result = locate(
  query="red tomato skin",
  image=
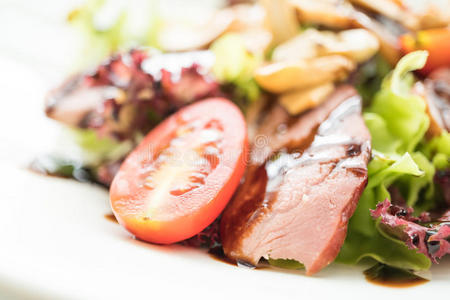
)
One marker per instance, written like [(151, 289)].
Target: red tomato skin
[(436, 41), (224, 180)]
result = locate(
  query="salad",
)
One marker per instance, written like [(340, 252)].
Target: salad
[(297, 133)]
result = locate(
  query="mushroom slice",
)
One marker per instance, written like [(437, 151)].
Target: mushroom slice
[(431, 14), (281, 19), (299, 101), (256, 40), (179, 37), (389, 46), (250, 23), (248, 16), (413, 14), (331, 13), (303, 46), (391, 9), (286, 76), (342, 15), (356, 44)]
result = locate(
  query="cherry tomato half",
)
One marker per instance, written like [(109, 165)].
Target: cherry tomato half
[(184, 172)]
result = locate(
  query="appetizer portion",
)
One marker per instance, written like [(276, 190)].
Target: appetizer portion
[(345, 106), (296, 205)]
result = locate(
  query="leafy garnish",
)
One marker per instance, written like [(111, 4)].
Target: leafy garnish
[(286, 263), (106, 27), (397, 121), (432, 240), (235, 65)]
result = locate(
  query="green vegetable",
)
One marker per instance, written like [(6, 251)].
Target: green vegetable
[(235, 65), (369, 77), (286, 264), (106, 27), (403, 113), (438, 149), (97, 150), (366, 239), (397, 121)]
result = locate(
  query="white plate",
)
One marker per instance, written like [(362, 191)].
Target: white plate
[(56, 243)]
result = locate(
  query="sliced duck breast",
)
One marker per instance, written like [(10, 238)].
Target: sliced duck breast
[(297, 204)]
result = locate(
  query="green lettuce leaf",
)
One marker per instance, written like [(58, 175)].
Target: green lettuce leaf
[(397, 121), (364, 238), (235, 65), (106, 26), (369, 76), (97, 150), (438, 150), (291, 264), (403, 112)]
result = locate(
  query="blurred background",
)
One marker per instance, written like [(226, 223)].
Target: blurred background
[(41, 42)]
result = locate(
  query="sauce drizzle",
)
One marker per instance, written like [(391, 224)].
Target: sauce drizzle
[(384, 275)]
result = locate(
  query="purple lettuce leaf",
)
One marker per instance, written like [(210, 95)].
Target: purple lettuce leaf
[(132, 92), (430, 236)]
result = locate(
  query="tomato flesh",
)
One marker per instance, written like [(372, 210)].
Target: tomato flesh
[(182, 175)]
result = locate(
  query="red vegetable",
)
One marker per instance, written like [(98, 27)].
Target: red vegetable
[(182, 175), (435, 41)]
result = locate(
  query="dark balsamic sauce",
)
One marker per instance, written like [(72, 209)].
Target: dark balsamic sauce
[(384, 275), (111, 217), (379, 274), (218, 254)]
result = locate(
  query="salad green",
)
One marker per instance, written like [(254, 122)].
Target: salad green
[(106, 27), (235, 65), (398, 158)]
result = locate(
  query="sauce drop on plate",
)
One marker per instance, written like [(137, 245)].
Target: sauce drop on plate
[(217, 254), (111, 217), (384, 275)]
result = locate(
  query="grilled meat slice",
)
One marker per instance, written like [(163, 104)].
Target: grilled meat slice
[(296, 205)]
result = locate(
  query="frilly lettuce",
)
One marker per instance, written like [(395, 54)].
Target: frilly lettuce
[(439, 150), (403, 113), (397, 121)]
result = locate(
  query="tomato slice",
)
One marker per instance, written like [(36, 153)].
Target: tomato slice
[(184, 172)]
